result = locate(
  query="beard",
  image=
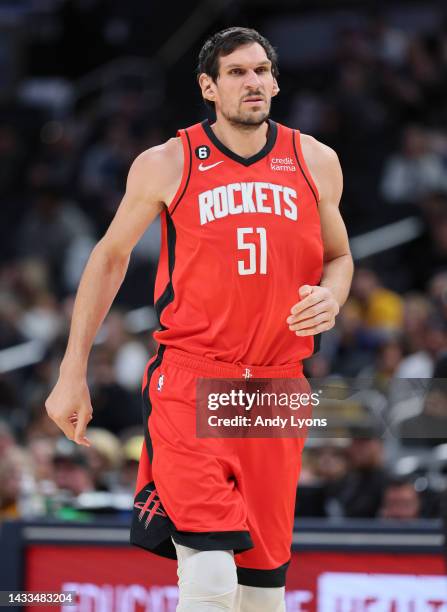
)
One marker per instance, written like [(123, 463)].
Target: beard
[(247, 120)]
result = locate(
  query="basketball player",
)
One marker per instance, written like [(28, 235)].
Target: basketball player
[(254, 264)]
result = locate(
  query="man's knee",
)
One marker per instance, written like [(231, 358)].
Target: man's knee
[(207, 576), (210, 572)]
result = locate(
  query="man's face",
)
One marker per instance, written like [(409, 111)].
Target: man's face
[(73, 477), (244, 87), (366, 453), (401, 503)]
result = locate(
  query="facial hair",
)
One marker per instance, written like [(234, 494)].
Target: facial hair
[(246, 122)]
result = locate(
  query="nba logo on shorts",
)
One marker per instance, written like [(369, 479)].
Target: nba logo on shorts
[(161, 380)]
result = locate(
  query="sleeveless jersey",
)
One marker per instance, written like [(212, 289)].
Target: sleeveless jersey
[(239, 238)]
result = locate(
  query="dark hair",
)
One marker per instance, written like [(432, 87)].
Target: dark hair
[(225, 42), (395, 481)]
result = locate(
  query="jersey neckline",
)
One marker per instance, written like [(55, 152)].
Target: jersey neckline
[(245, 161)]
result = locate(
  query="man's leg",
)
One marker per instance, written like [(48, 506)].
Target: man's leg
[(260, 599), (271, 500), (207, 580)]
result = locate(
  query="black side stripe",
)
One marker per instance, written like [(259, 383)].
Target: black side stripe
[(166, 298), (301, 167), (168, 294), (317, 337), (147, 404), (189, 174)]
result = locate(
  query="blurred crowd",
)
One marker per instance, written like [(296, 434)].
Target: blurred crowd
[(381, 102)]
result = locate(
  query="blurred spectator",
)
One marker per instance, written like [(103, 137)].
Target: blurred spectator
[(49, 228), (388, 357), (415, 171), (389, 44), (104, 169), (104, 458), (54, 164), (349, 347), (71, 468), (438, 293), (7, 440), (35, 314), (433, 343), (115, 408), (428, 254), (127, 477), (430, 426), (360, 491), (417, 311), (381, 309), (357, 100), (41, 451), (10, 312), (14, 477), (41, 320), (370, 316), (308, 112), (400, 501), (130, 356), (310, 499), (332, 467)]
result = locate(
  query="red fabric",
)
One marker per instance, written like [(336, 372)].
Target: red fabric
[(219, 484), (216, 311)]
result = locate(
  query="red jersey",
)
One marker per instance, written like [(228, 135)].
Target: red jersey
[(239, 238)]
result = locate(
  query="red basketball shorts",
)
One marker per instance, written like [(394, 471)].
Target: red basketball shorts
[(213, 493)]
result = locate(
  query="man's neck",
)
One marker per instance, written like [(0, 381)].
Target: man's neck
[(245, 141)]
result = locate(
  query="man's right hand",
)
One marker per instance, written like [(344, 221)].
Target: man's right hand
[(70, 407)]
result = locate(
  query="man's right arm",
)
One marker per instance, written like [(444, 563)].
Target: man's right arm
[(151, 180)]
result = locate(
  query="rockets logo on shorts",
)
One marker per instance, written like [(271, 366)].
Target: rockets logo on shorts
[(151, 507)]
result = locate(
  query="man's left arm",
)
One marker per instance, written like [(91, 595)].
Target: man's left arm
[(320, 304)]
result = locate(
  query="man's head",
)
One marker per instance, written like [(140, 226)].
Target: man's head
[(237, 73), (71, 469), (400, 501), (364, 283), (366, 448)]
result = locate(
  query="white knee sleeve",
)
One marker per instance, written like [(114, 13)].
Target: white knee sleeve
[(207, 580), (257, 599)]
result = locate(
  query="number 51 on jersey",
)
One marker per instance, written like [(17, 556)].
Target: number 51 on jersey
[(256, 262)]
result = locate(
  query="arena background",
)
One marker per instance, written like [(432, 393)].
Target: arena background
[(85, 86)]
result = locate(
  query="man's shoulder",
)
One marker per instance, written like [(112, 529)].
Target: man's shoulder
[(163, 155), (157, 171), (324, 167), (318, 151), (162, 164)]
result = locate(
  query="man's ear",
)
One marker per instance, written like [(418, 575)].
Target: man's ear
[(206, 84), (275, 90)]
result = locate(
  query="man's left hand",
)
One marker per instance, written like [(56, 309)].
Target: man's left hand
[(315, 312)]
